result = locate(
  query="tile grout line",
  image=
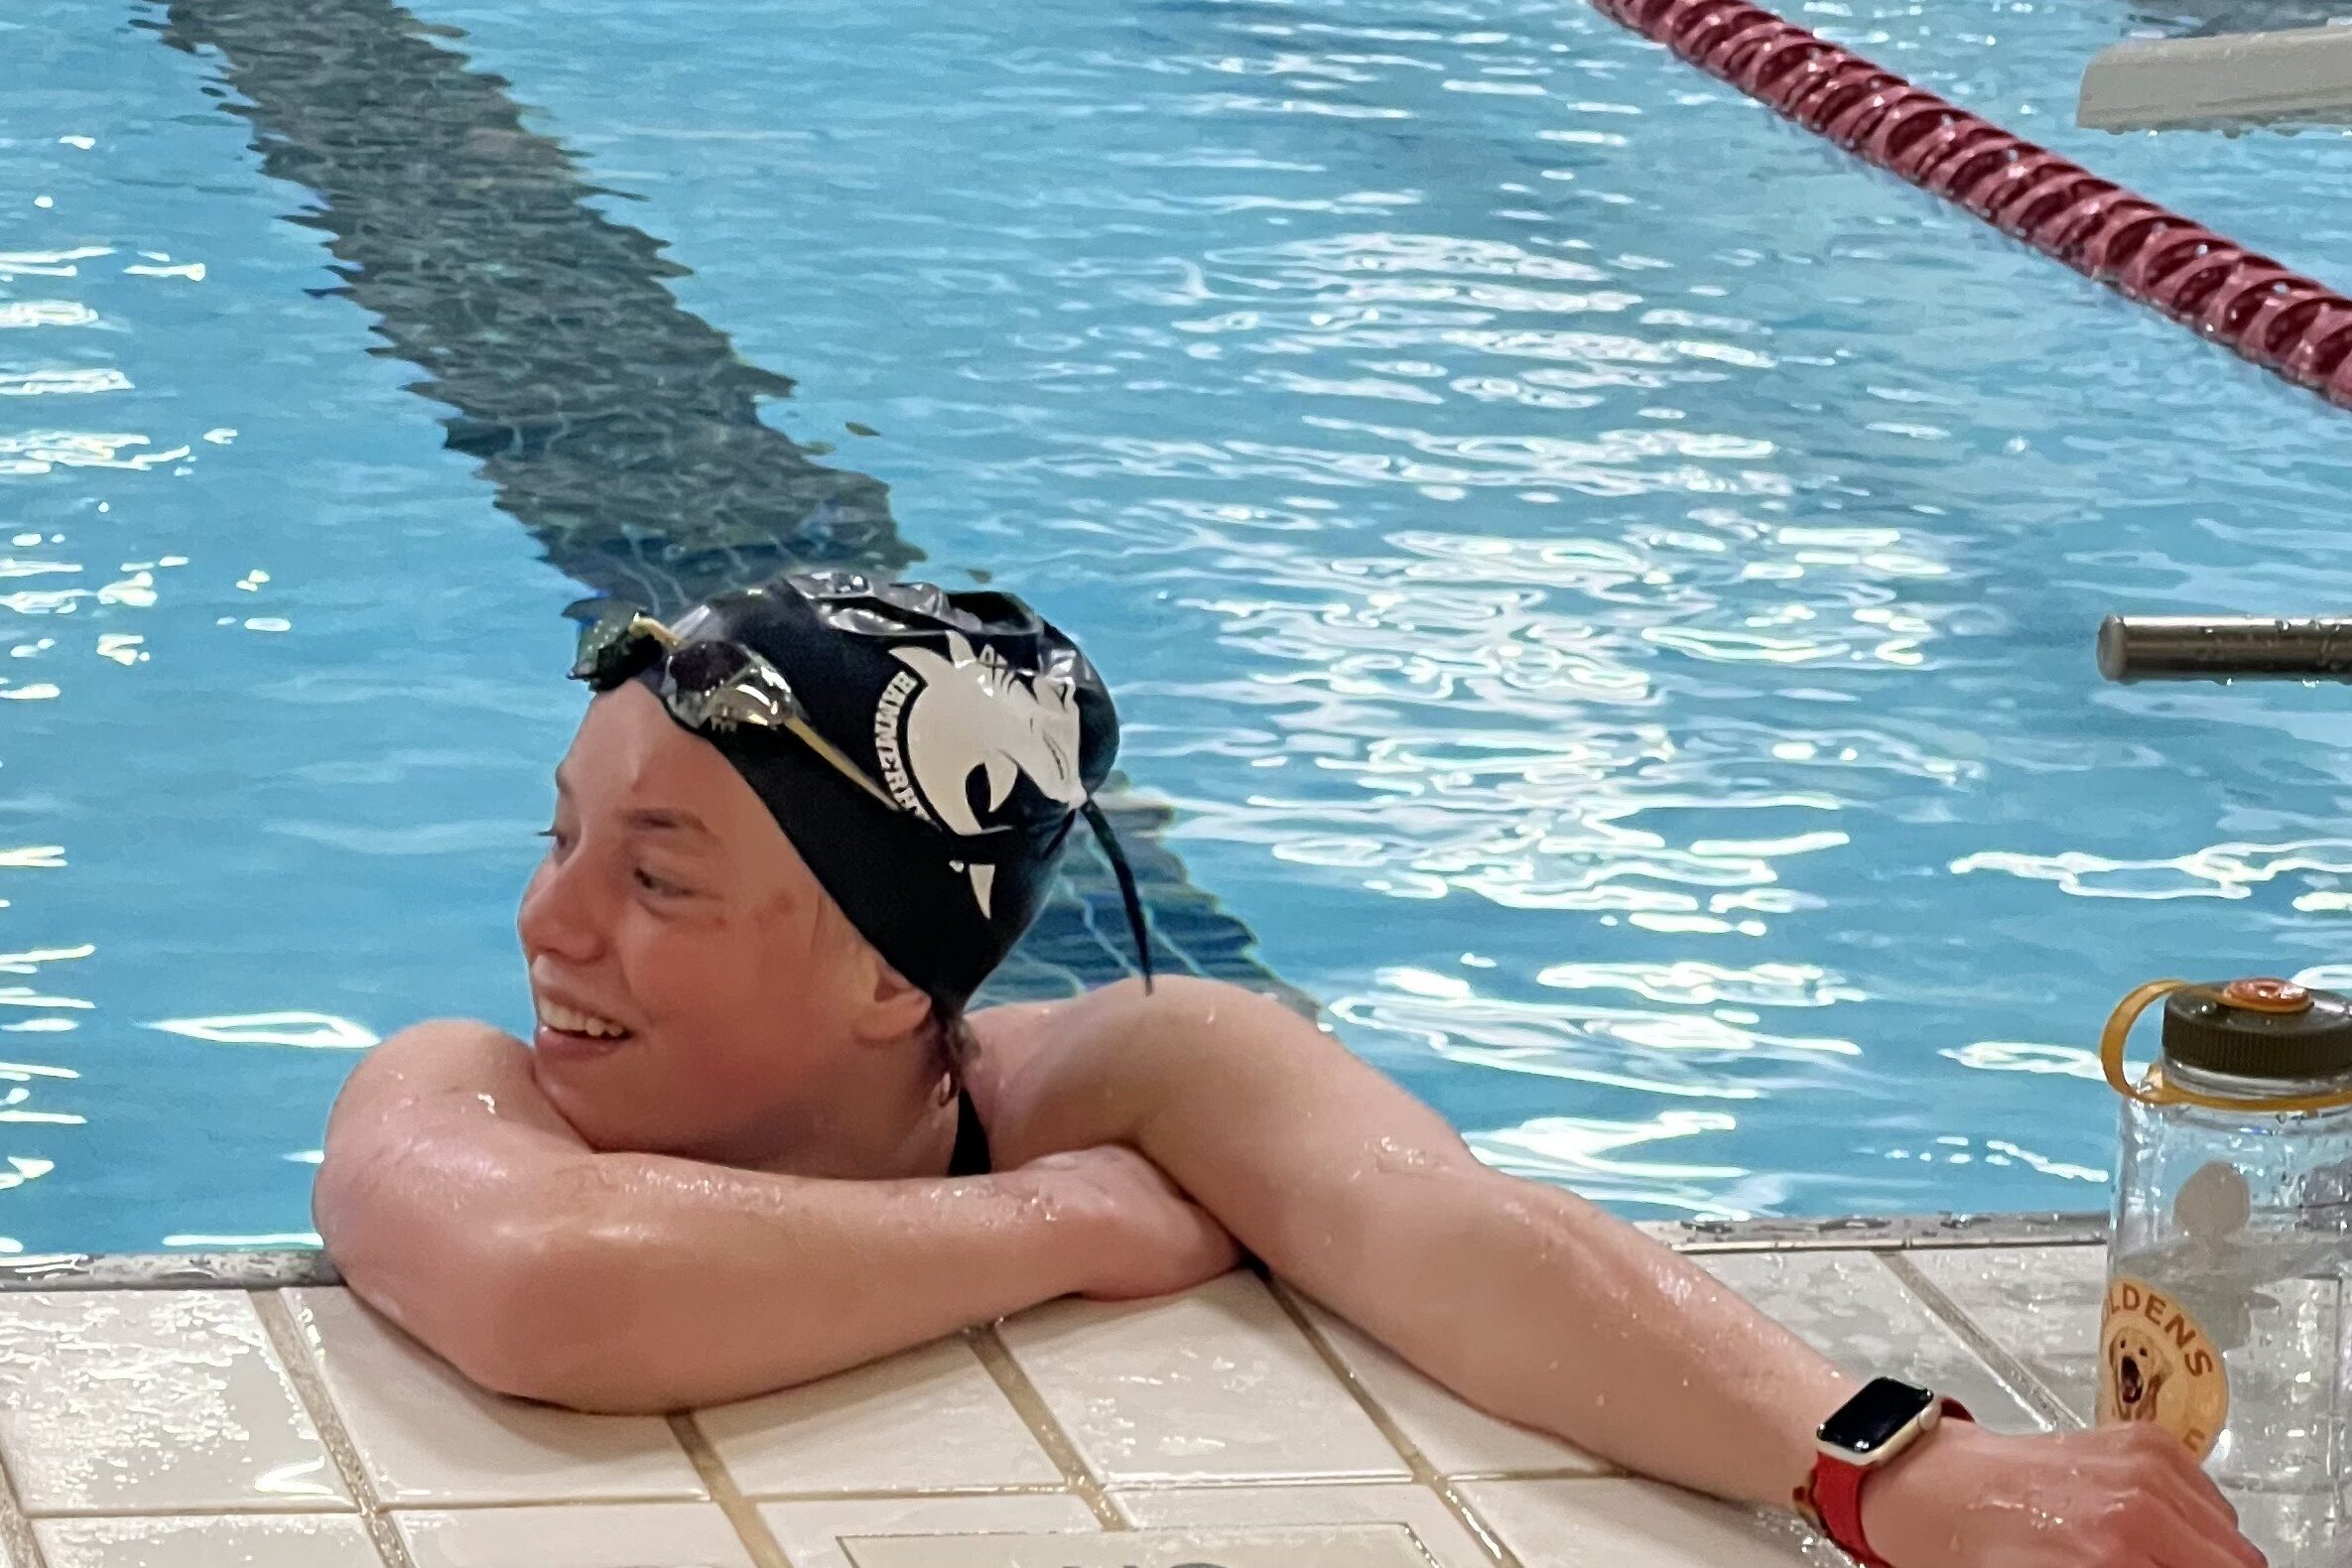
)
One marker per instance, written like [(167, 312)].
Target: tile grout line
[(1612, 1474), (309, 1387), (1043, 1425), (288, 1269), (1423, 1472), (17, 1542), (741, 1512), (876, 1494), (334, 1509), (2006, 1365)]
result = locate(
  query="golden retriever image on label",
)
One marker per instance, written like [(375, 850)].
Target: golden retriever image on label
[(2156, 1366)]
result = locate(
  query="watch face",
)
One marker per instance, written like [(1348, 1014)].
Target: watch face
[(1876, 1416)]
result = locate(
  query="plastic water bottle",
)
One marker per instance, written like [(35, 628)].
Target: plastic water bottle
[(2225, 1320)]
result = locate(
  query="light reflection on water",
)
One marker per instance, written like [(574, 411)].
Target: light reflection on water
[(1671, 592), (1606, 584)]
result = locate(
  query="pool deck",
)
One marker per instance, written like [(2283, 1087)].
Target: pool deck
[(204, 1411)]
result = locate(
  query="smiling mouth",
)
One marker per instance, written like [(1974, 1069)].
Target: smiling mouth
[(554, 1016)]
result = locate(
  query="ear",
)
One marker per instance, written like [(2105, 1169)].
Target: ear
[(892, 1007)]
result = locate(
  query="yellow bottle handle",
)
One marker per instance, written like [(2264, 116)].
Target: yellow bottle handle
[(2119, 1029), (2155, 1090)]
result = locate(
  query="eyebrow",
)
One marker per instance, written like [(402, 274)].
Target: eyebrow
[(653, 819)]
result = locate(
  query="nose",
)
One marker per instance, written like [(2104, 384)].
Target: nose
[(561, 916)]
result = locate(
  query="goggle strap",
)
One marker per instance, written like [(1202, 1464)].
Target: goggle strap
[(625, 642), (641, 624), (1127, 884), (832, 755)]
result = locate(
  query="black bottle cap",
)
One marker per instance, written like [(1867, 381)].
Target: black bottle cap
[(2268, 1029)]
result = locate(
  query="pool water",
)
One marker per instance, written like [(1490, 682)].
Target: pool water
[(1604, 581)]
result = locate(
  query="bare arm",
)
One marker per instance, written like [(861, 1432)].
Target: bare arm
[(457, 1201), (1552, 1314), (1539, 1307)]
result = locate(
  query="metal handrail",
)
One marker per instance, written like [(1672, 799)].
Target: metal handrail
[(2228, 648)]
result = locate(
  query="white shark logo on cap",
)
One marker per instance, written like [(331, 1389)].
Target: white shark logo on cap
[(973, 711)]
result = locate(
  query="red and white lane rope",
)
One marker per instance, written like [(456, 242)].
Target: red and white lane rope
[(2281, 319)]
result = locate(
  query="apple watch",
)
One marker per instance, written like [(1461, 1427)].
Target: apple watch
[(1864, 1437)]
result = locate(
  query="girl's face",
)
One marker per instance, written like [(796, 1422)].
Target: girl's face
[(697, 991)]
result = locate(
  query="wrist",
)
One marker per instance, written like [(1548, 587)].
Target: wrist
[(1068, 1224), (1909, 1510)]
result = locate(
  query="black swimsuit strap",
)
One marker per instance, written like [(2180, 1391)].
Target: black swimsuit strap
[(972, 1140)]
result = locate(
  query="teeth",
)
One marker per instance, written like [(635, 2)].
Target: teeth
[(556, 1017)]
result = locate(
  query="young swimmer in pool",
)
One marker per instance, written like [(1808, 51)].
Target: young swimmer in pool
[(755, 1139)]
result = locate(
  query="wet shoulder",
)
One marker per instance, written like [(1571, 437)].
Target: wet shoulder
[(1010, 1040), (428, 1066), (1037, 1080)]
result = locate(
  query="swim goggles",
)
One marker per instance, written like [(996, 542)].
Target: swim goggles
[(713, 687)]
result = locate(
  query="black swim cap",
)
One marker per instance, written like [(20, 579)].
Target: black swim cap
[(926, 752)]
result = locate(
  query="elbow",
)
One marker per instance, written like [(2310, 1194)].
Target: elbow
[(584, 1322), (550, 1318), (582, 1318), (556, 1382), (524, 1306)]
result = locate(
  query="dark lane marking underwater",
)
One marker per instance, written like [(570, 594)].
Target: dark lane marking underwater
[(620, 429)]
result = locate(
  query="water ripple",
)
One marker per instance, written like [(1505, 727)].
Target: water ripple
[(315, 1031), (2224, 870), (1594, 1157), (44, 313), (49, 383)]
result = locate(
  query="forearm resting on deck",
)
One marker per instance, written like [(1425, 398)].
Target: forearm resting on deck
[(1556, 1315), (640, 1282), (1525, 1299), (735, 1284), (646, 1285)]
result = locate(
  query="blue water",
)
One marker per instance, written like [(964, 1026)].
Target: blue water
[(1606, 582)]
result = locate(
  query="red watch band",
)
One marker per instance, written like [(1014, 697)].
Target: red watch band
[(1834, 1496)]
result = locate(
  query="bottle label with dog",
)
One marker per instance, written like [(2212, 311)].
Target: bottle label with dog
[(2157, 1365)]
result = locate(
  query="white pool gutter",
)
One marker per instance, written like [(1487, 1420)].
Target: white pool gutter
[(2233, 81)]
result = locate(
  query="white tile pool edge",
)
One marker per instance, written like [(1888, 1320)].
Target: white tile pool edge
[(294, 1269), (431, 1466)]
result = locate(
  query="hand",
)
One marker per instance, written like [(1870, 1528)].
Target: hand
[(1142, 1236), (2129, 1496)]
